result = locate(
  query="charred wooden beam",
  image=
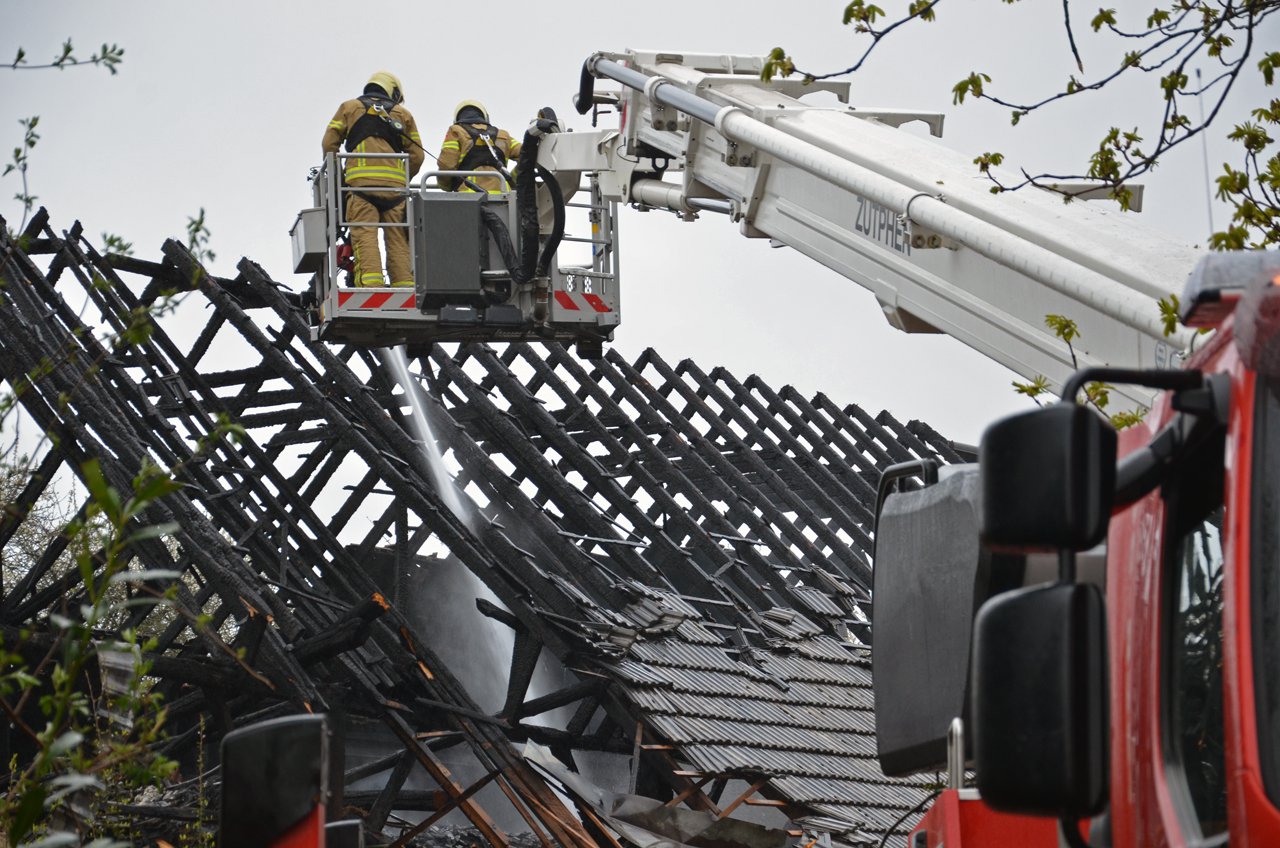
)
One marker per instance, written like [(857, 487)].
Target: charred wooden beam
[(525, 650), (552, 700), (441, 810), (350, 630), (390, 794)]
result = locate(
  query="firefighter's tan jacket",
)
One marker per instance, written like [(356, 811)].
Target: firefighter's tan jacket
[(458, 143), (361, 171)]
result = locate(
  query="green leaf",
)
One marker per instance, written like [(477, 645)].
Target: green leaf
[(1038, 386), (55, 840), (154, 486), (137, 603), (24, 679), (1251, 136), (1169, 314), (1063, 327), (145, 576), (970, 85), (109, 56), (1268, 65), (922, 9), (1121, 420), (777, 63), (1098, 394), (1105, 17), (112, 243), (30, 806), (154, 531), (68, 784), (66, 742), (1174, 82), (106, 497), (988, 160), (198, 239), (859, 12)]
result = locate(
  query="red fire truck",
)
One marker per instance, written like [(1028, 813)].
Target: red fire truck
[(1132, 694)]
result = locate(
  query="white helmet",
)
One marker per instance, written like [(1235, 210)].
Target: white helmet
[(474, 104), (390, 83)]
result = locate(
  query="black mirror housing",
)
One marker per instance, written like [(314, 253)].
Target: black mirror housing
[(274, 775), (1040, 713), (1048, 480)]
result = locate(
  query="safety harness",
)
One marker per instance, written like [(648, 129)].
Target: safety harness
[(482, 154), (376, 122), (382, 204)]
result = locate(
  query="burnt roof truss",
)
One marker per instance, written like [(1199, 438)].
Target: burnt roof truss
[(668, 567)]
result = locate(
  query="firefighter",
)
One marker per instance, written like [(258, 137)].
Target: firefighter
[(474, 144), (377, 122)]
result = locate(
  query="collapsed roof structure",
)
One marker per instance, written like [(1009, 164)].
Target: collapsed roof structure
[(671, 564)]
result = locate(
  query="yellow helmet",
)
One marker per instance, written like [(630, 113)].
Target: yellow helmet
[(475, 104), (390, 83)]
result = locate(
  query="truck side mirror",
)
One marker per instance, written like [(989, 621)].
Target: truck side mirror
[(1048, 480), (1039, 703), (275, 782)]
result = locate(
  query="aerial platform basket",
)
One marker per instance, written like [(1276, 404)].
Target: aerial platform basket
[(468, 283)]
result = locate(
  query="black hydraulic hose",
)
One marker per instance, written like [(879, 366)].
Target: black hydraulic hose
[(586, 90), (527, 172), (502, 237), (527, 203), (557, 226)]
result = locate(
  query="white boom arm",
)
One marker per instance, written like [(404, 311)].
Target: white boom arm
[(893, 211)]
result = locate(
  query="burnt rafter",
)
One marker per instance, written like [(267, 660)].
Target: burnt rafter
[(689, 550)]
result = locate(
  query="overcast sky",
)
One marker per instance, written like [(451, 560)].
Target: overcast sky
[(222, 105)]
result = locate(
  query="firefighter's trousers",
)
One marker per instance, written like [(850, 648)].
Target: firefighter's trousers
[(364, 241)]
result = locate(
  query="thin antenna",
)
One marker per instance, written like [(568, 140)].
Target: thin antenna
[(1204, 153)]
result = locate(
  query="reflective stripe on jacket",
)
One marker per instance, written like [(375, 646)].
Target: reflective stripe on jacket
[(376, 171), (458, 143)]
